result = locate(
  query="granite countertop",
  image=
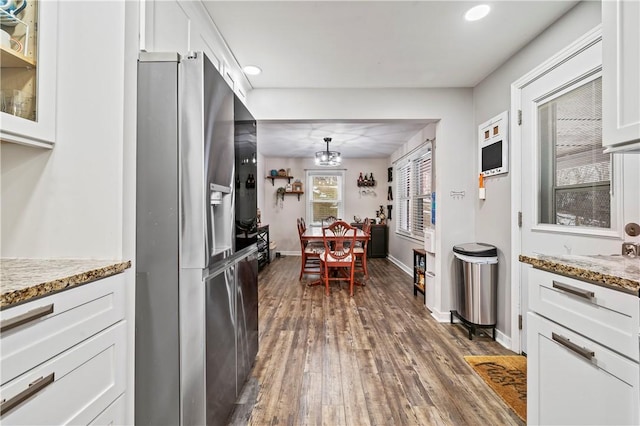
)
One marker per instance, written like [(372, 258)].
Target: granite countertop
[(26, 279), (613, 271)]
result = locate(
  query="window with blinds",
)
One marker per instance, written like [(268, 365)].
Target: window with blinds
[(403, 197), (575, 175), (413, 193), (422, 199), (324, 195)]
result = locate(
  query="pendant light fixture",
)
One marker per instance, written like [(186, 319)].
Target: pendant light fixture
[(328, 158)]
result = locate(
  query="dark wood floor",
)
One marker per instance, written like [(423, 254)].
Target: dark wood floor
[(377, 358)]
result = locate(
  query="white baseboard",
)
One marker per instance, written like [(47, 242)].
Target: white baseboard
[(440, 316), (289, 253), (503, 339), (400, 265)]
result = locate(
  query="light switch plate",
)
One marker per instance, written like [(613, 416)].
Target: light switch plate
[(430, 240)]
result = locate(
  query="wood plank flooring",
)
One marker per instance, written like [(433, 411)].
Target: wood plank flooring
[(377, 358)]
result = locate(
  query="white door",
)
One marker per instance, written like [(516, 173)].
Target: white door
[(572, 198)]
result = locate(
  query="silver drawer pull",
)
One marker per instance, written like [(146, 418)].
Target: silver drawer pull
[(583, 352), (26, 394), (29, 316), (586, 294)]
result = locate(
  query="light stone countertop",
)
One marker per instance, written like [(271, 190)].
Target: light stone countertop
[(613, 271), (24, 279)]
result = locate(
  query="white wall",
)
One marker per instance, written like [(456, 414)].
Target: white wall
[(281, 216), (491, 97), (455, 163), (68, 202)]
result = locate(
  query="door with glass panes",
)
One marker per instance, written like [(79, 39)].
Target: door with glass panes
[(572, 195)]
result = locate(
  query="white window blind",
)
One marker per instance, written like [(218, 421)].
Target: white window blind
[(413, 189), (422, 196), (575, 174), (403, 197)]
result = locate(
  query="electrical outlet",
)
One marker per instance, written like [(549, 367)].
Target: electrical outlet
[(631, 249)]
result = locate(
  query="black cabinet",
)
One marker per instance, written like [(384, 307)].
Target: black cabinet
[(377, 246), (378, 243), (264, 256)]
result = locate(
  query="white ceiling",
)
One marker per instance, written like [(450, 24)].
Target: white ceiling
[(353, 139), (370, 44)]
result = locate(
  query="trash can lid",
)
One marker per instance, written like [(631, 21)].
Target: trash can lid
[(476, 249)]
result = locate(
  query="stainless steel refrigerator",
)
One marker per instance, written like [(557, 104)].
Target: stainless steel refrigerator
[(196, 296)]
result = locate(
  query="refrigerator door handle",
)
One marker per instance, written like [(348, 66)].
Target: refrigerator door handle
[(224, 264)]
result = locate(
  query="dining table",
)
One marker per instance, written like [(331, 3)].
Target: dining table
[(314, 233)]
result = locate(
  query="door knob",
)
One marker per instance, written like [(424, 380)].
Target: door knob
[(632, 229)]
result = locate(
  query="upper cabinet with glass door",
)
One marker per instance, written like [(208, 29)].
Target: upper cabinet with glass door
[(621, 75), (28, 72)]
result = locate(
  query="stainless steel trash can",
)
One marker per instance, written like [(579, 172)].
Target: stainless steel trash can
[(476, 286)]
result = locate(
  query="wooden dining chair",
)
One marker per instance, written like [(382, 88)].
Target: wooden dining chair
[(310, 263), (339, 240), (360, 250), (329, 220), (311, 244)]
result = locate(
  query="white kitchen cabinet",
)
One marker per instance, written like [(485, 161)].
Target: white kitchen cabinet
[(64, 356), (565, 387), (607, 316), (74, 315), (29, 78), (621, 75), (86, 379), (113, 415), (582, 347)]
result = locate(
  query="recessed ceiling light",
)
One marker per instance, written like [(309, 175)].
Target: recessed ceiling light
[(252, 70), (477, 12)]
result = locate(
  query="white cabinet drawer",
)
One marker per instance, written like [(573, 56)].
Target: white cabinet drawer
[(607, 316), (113, 414), (87, 378), (77, 314), (572, 380)]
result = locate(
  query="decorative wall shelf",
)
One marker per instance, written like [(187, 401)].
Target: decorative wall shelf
[(298, 193), (366, 180), (288, 178)]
